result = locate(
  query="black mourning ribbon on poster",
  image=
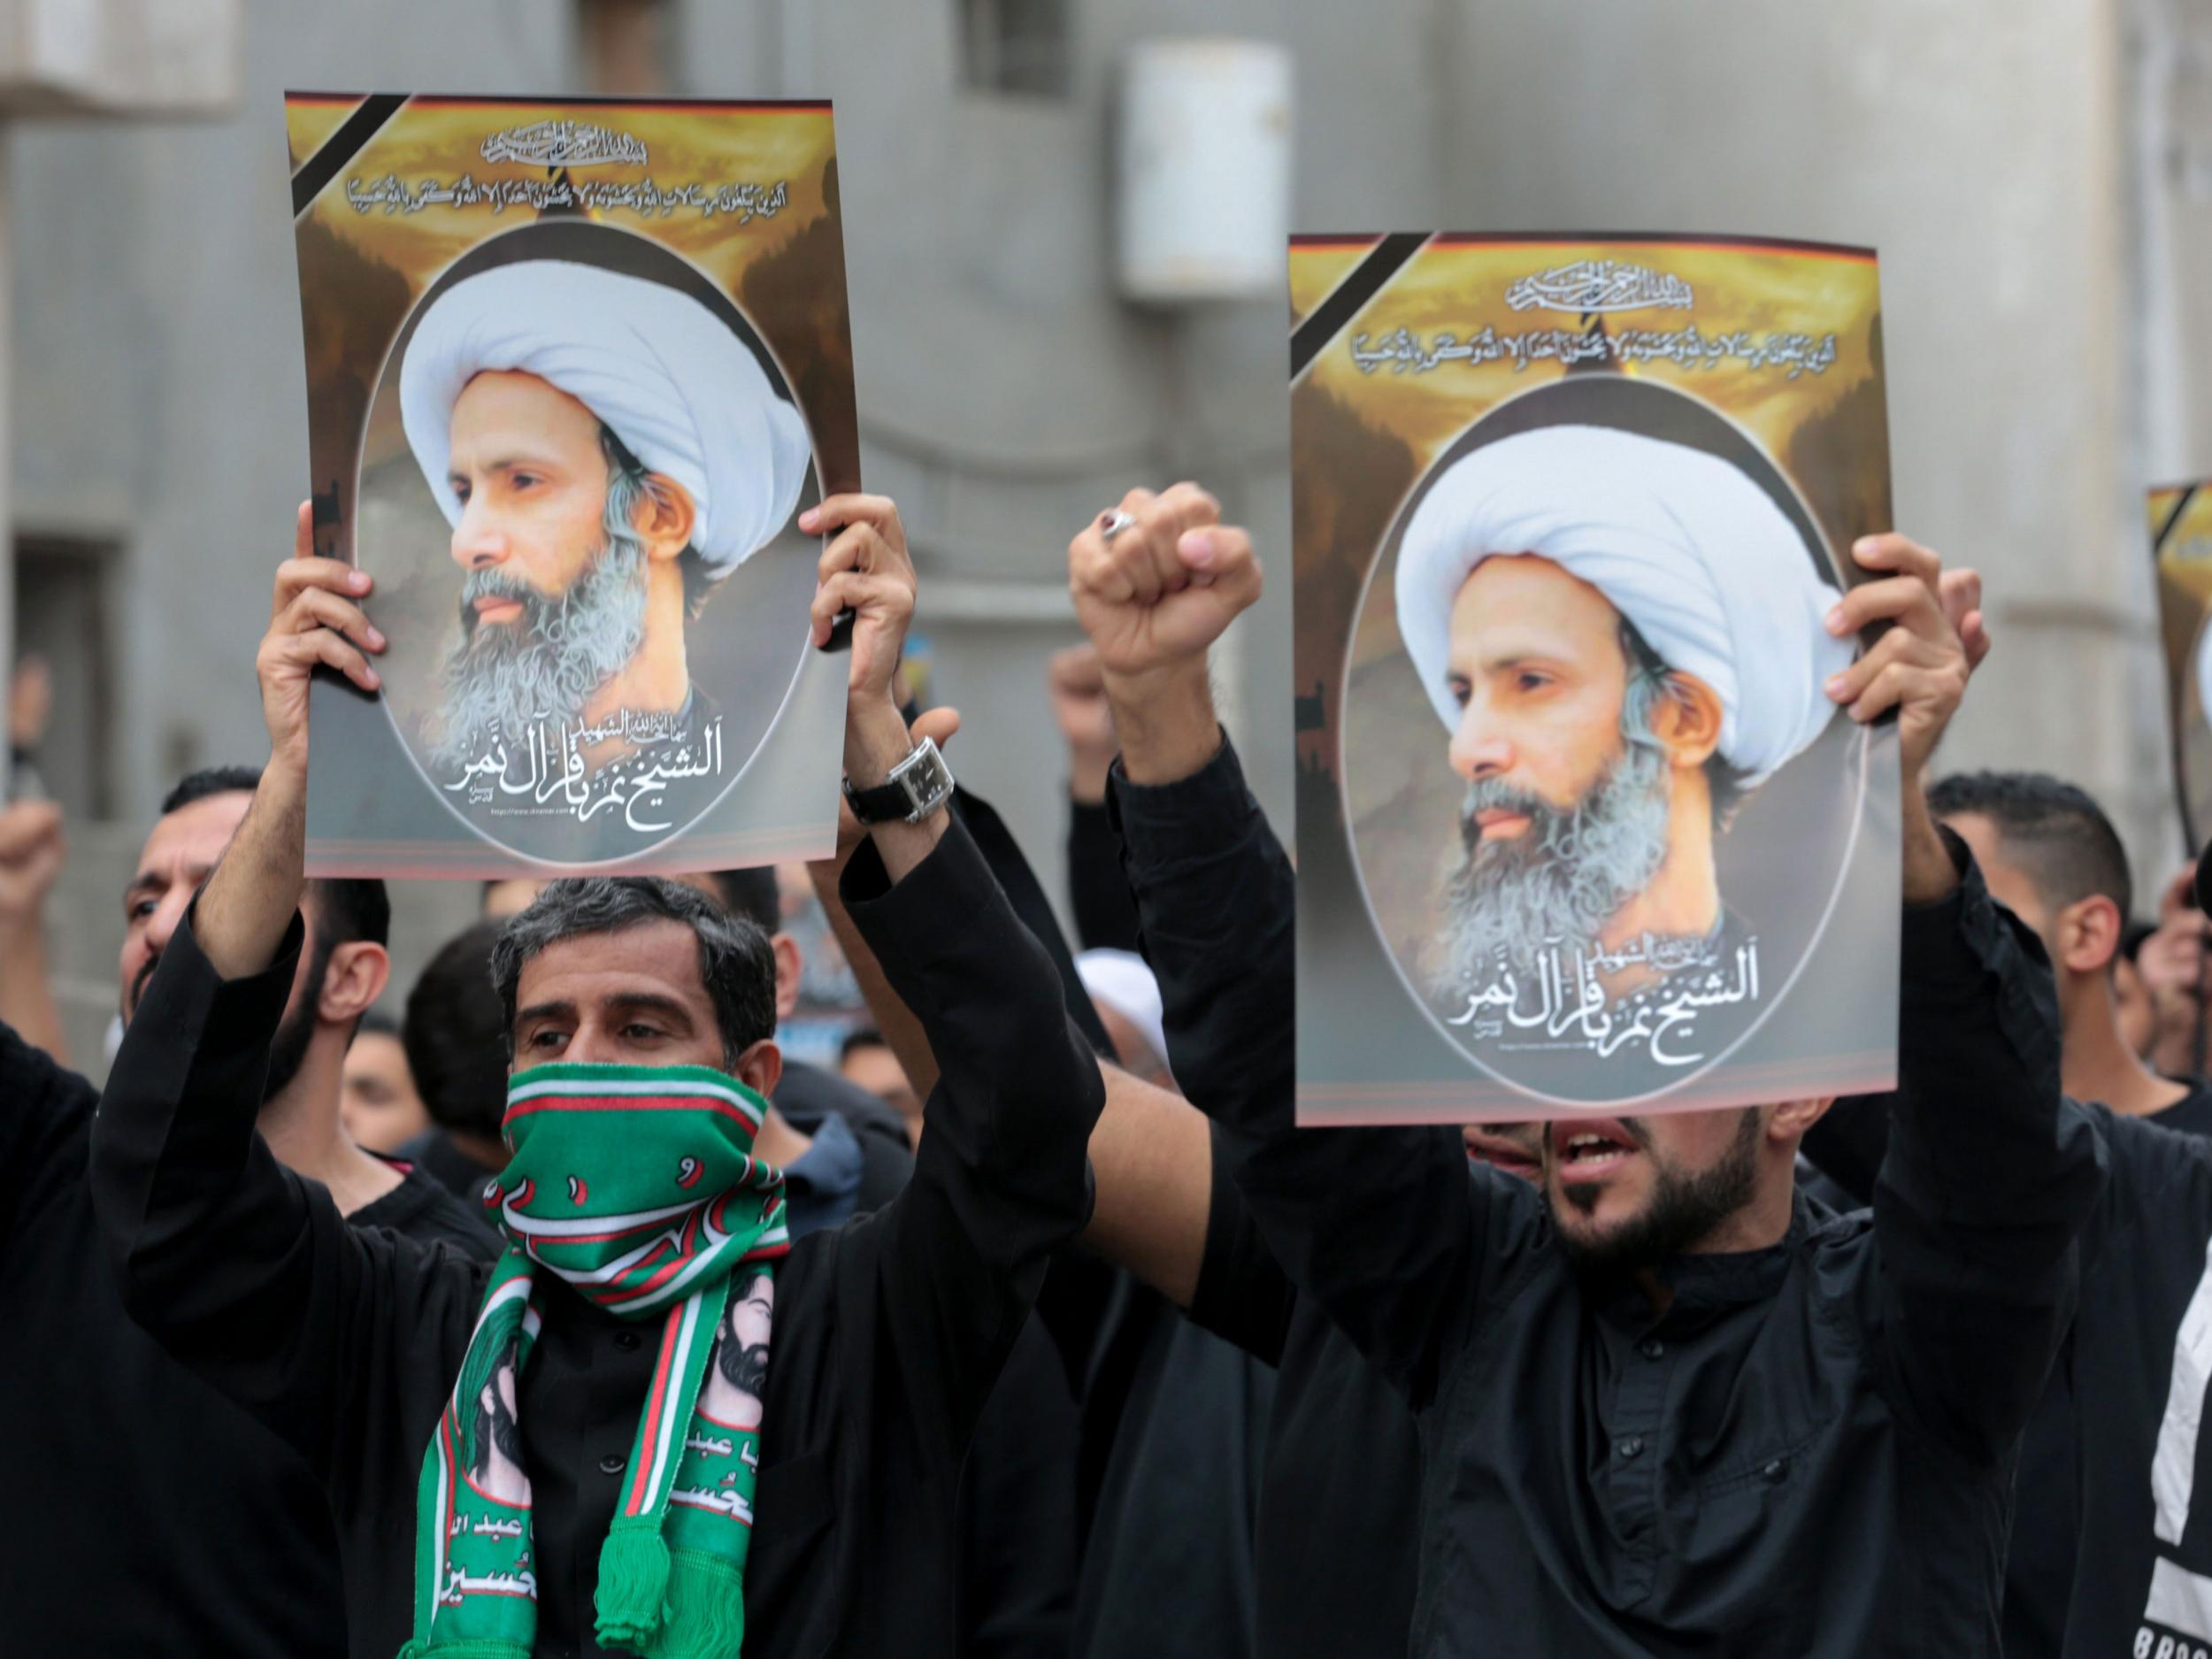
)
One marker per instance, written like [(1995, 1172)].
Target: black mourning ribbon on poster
[(1345, 302), (342, 146)]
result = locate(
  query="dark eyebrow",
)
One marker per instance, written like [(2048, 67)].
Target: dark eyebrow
[(545, 1010)]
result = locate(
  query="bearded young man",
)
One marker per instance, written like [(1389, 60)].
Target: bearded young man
[(1622, 637), (608, 452), (641, 1019), (1666, 1409)]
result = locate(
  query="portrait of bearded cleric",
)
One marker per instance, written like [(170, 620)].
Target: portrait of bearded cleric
[(1620, 641), (737, 1375), (494, 1466), (579, 665)]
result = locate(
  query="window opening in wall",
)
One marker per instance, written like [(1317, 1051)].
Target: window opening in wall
[(1017, 46)]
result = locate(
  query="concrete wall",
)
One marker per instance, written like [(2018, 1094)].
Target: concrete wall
[(1985, 149), (1998, 155)]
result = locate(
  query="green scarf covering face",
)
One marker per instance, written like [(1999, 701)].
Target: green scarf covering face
[(637, 1186)]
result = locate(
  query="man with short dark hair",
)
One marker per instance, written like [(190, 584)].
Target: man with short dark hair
[(344, 968), (633, 1207), (1665, 1409), (455, 1033), (2053, 858)]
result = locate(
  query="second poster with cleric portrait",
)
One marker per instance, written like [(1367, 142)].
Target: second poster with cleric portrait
[(1578, 828), (573, 372)]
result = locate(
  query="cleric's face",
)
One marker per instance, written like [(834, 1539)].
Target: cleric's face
[(531, 477), (1537, 668), (1565, 817)]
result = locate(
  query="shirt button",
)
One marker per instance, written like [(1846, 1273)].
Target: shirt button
[(1630, 1447), (1776, 1470), (627, 1340), (1653, 1349), (611, 1464)]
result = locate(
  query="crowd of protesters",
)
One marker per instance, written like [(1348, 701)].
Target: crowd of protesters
[(1033, 1327)]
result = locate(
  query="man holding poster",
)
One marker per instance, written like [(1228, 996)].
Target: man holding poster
[(596, 1445), (1669, 1406)]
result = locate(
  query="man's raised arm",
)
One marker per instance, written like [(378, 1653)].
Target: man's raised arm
[(999, 1181), (243, 1271), (1380, 1225), (1989, 1175)]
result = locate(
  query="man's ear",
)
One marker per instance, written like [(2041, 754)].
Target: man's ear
[(1687, 719), (790, 964), (760, 1068), (2087, 935), (356, 978), (1792, 1118), (663, 517)]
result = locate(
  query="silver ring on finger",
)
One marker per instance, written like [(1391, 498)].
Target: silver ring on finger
[(1112, 524)]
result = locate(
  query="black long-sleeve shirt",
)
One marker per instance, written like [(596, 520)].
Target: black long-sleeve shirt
[(890, 1330), (141, 1512), (1810, 1451), (2133, 1375)]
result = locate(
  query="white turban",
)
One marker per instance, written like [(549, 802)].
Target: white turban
[(2204, 672), (1123, 981), (665, 374), (1680, 542)]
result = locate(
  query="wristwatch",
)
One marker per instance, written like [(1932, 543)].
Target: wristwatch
[(917, 787)]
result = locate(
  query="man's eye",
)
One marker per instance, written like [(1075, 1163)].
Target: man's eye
[(524, 480), (137, 909), (460, 491), (1529, 681), (636, 1032), (1460, 692), (548, 1039)]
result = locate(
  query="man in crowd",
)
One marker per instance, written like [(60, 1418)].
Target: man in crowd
[(2052, 858), (866, 1060), (608, 451), (826, 1531), (2099, 1561), (1622, 637), (377, 1102), (455, 1034), (1659, 1401), (343, 970)]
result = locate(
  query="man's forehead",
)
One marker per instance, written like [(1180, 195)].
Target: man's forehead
[(655, 958), (508, 406), (195, 834), (1524, 593)]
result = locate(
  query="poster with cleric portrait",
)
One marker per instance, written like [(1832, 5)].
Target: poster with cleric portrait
[(2181, 544), (1579, 830), (573, 370)]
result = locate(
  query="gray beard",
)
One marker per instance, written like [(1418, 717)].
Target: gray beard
[(501, 680), (1561, 880)]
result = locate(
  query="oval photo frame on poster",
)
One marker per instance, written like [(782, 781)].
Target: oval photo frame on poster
[(1780, 859), (744, 638)]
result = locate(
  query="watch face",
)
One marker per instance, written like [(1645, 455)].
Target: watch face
[(928, 782)]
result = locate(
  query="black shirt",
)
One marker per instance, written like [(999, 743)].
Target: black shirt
[(1811, 1452), (142, 1512), (422, 1207), (434, 1153), (2131, 1380), (2112, 1425), (890, 1330), (1336, 1544)]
